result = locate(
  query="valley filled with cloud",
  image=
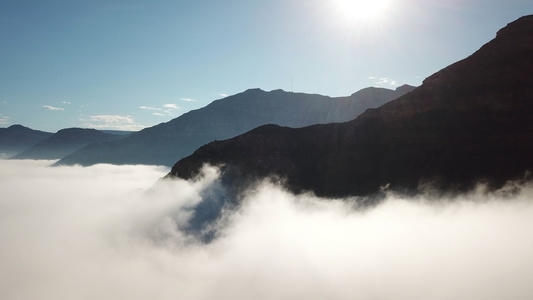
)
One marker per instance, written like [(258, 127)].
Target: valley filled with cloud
[(117, 232)]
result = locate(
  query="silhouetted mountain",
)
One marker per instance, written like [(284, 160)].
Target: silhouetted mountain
[(65, 142), (164, 143), (17, 138), (470, 122)]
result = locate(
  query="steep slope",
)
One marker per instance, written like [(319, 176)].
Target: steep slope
[(467, 123), (228, 117), (65, 142), (17, 138)]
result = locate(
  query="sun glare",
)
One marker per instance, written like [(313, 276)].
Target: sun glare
[(356, 11)]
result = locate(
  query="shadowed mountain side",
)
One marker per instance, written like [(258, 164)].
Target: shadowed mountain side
[(467, 123), (65, 142), (17, 138), (225, 118)]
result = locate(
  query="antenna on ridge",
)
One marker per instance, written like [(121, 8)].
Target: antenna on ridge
[(291, 84)]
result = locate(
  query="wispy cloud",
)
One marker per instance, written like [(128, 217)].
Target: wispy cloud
[(149, 108), (48, 107), (381, 81), (4, 119), (165, 110), (171, 106), (116, 122), (223, 95), (65, 102), (188, 99)]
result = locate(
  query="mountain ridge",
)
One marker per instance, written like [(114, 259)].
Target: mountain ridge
[(17, 138), (228, 117), (64, 142), (467, 123)]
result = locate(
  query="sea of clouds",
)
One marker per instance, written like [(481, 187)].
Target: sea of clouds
[(116, 232)]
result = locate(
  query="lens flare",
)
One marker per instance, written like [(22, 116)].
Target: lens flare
[(356, 11)]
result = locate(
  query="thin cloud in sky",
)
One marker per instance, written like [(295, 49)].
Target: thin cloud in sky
[(4, 119), (223, 95), (188, 99), (149, 108), (171, 106), (116, 122), (165, 110), (381, 81), (48, 107)]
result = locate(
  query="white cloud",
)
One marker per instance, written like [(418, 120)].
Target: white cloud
[(383, 81), (166, 110), (149, 108), (4, 120), (188, 99), (65, 102), (62, 238), (116, 122), (171, 106), (48, 107), (223, 95)]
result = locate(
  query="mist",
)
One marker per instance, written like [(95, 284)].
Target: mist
[(117, 232)]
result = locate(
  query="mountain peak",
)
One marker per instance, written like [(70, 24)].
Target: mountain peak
[(253, 90), (521, 25)]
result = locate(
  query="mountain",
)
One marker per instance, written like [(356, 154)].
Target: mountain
[(468, 123), (225, 118), (65, 142), (17, 138)]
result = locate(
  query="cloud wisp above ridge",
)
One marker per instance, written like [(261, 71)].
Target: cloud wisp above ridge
[(108, 232)]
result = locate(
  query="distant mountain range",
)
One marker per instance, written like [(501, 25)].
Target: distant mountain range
[(65, 142), (468, 123), (163, 144), (17, 138)]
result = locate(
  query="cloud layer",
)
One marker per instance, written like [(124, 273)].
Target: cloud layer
[(110, 232)]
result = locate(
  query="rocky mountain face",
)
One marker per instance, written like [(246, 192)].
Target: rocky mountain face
[(225, 118), (17, 138), (468, 123), (65, 142)]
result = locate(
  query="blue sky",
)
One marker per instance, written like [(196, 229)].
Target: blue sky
[(133, 64)]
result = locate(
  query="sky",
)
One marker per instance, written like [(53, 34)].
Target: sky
[(64, 239), (132, 64)]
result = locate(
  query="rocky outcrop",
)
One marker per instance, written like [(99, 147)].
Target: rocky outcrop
[(468, 123)]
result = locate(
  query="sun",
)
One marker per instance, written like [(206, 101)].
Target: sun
[(357, 11)]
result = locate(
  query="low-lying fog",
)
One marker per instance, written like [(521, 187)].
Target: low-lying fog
[(102, 232)]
